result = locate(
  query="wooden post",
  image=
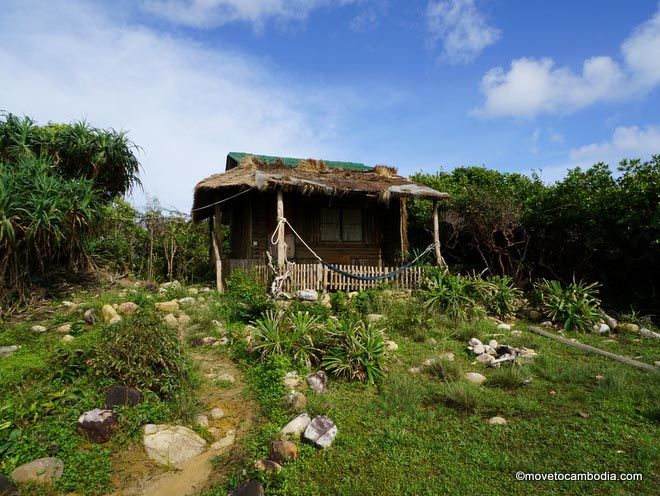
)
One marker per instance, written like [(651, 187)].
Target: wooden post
[(403, 227), (281, 246), (436, 236), (217, 248)]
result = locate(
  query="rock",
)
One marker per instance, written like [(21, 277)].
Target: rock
[(657, 363), (268, 466), (115, 320), (547, 323), (119, 395), (431, 341), (127, 308), (5, 351), (98, 425), (41, 471), (205, 341), (184, 320), (171, 321), (291, 380), (227, 378), (186, 301), (534, 316), (226, 442), (40, 329), (67, 338), (391, 345), (516, 333), (601, 328), (64, 329), (497, 421), (295, 428), (372, 318), (202, 420), (193, 291), (628, 327), (649, 333), (447, 355), (610, 321), (168, 306), (485, 358), (479, 349), (428, 362), (307, 295), (249, 488), (415, 370), (321, 431), (584, 414), (90, 316), (109, 313), (69, 306), (474, 342), (599, 377), (493, 344), (474, 377), (318, 381), (283, 451), (7, 487), (221, 342), (490, 350), (217, 413), (295, 401), (205, 290), (504, 327), (170, 285), (171, 444)]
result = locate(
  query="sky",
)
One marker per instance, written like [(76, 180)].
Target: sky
[(514, 85)]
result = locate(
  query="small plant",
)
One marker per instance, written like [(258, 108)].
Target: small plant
[(499, 296), (509, 377), (461, 396), (450, 294), (447, 370), (248, 298), (576, 305)]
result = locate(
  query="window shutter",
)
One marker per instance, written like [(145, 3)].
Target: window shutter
[(330, 224)]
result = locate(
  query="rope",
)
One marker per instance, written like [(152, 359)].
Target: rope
[(359, 277), (222, 201)]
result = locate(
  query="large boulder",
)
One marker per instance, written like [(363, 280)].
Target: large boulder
[(171, 444), (109, 314), (295, 428), (119, 395), (318, 381), (41, 471), (168, 306), (283, 451), (307, 295), (98, 425), (127, 308), (321, 431)]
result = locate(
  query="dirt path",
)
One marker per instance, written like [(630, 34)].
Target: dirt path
[(136, 475)]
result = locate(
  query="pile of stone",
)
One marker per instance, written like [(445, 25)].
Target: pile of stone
[(494, 354)]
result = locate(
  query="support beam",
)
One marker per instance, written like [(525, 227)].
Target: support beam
[(403, 228), (217, 248), (436, 236), (281, 245)]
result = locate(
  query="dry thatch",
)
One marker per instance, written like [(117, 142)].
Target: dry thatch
[(309, 177)]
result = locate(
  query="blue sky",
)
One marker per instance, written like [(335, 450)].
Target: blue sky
[(421, 85)]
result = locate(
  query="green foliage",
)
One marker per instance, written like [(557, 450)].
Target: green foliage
[(409, 318), (144, 353), (461, 396), (450, 294), (247, 297), (499, 296), (508, 376), (339, 302), (447, 370), (575, 306)]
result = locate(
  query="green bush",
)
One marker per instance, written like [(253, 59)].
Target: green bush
[(499, 296), (247, 297), (508, 376), (450, 294), (575, 306)]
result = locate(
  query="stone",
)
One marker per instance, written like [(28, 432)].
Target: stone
[(474, 342), (321, 431), (127, 308), (90, 316), (171, 444), (205, 341), (584, 414), (318, 381), (447, 355), (171, 321), (216, 413), (98, 425), (610, 321), (479, 349), (226, 442), (186, 301), (391, 345), (168, 306), (599, 377), (534, 316), (249, 488), (307, 295), (184, 320), (372, 318), (415, 370), (295, 428), (649, 333), (283, 451), (516, 333), (64, 329), (227, 378), (428, 362), (7, 487), (268, 466), (67, 338), (115, 320), (493, 344), (170, 285), (39, 328), (70, 306), (5, 351), (205, 290), (291, 380), (546, 323), (108, 313), (490, 350), (431, 341), (497, 421), (485, 358), (602, 328), (504, 327), (628, 327), (295, 401), (474, 378), (202, 420), (657, 363), (119, 395), (41, 471), (193, 291)]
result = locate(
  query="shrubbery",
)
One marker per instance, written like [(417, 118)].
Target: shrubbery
[(575, 306)]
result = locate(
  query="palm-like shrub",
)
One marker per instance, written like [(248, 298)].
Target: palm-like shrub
[(450, 294), (575, 306), (497, 294)]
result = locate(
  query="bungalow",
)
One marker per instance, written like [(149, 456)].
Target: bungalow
[(302, 210)]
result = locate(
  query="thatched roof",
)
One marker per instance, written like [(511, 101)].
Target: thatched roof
[(306, 177)]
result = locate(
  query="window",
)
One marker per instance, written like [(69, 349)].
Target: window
[(341, 224)]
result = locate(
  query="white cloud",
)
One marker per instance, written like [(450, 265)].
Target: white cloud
[(626, 142), (532, 86), (462, 28), (185, 104), (210, 13)]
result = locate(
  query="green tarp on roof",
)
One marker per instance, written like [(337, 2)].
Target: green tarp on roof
[(293, 162)]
